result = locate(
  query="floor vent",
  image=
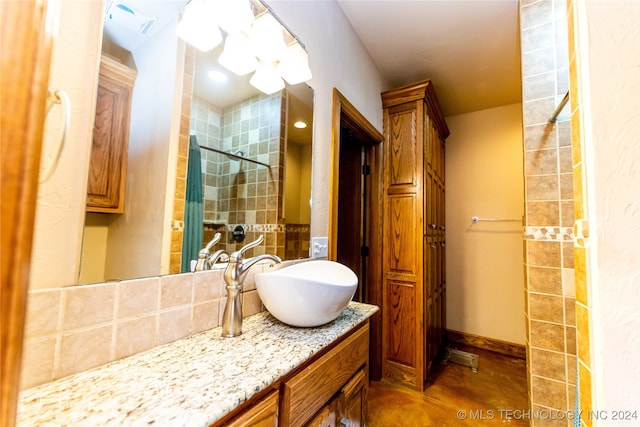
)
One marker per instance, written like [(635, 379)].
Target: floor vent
[(460, 357)]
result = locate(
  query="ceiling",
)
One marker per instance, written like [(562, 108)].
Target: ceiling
[(470, 49)]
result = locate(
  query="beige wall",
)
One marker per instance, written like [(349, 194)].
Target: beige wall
[(485, 290), (337, 59)]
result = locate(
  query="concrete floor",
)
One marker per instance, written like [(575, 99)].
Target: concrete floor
[(456, 396)]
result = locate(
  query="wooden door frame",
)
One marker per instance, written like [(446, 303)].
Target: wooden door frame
[(342, 109), (24, 81)]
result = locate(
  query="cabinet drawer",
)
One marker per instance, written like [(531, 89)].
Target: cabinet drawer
[(308, 391), (262, 414)]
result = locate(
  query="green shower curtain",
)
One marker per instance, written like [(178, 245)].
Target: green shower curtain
[(193, 227)]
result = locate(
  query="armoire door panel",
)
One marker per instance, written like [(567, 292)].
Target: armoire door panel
[(400, 322), (401, 240), (402, 148)]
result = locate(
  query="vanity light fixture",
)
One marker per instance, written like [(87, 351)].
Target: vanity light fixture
[(198, 27), (234, 15), (266, 78), (256, 39), (300, 124), (237, 56), (217, 76), (294, 65)]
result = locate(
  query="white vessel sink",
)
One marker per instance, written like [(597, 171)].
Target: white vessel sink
[(307, 294)]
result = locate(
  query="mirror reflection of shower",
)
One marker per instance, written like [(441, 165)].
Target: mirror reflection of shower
[(251, 154)]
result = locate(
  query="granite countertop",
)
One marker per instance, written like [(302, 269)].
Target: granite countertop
[(194, 381)]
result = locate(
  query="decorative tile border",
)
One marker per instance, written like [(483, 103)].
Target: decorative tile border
[(258, 227), (549, 233)]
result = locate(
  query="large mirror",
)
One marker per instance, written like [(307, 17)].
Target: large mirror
[(255, 165)]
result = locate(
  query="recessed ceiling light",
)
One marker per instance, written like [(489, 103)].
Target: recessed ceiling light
[(217, 76), (300, 124)]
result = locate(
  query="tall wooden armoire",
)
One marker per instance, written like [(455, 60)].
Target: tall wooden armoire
[(413, 315)]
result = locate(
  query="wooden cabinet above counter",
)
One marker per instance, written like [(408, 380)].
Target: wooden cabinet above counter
[(108, 167)]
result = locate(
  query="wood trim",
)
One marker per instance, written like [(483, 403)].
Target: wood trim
[(341, 106), (491, 344), (415, 92), (26, 43), (342, 109)]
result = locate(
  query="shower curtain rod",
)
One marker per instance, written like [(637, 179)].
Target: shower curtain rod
[(559, 108), (476, 219), (235, 156)]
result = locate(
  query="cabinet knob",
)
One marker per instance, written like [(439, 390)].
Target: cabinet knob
[(344, 422), (442, 227), (433, 245), (433, 226)]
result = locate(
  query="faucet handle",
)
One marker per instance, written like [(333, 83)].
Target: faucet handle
[(237, 255), (206, 249)]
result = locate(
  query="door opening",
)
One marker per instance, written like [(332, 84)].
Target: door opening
[(355, 234)]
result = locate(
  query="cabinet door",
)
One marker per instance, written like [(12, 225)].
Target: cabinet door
[(326, 417), (262, 414), (108, 166), (353, 401)]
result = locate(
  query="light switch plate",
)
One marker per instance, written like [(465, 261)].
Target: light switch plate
[(319, 247)]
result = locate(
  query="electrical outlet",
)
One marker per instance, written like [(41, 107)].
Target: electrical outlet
[(319, 247)]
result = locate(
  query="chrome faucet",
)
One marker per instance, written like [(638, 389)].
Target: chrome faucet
[(234, 276), (206, 259)]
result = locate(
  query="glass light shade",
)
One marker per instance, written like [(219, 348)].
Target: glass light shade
[(198, 26), (266, 78), (294, 65), (267, 36), (237, 55), (234, 15)]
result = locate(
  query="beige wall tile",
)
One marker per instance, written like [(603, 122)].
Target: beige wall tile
[(205, 316), (538, 111), (547, 336), (43, 312), (542, 188), (84, 350), (570, 339), (251, 303), (543, 254), (138, 297), (570, 311), (537, 37), (174, 324), (136, 335), (38, 356), (566, 214), (546, 280), (541, 162), (549, 393), (565, 160), (548, 364), (547, 308), (175, 290), (543, 213), (89, 305), (571, 370), (207, 286), (567, 254), (536, 13)]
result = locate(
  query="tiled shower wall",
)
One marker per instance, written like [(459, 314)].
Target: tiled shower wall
[(238, 192), (549, 263)]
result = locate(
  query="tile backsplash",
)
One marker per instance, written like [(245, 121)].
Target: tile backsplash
[(72, 329)]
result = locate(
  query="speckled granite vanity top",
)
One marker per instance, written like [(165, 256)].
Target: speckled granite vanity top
[(190, 382)]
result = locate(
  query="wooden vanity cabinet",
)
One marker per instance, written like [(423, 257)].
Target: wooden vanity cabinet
[(262, 414), (328, 391), (108, 164), (413, 316)]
